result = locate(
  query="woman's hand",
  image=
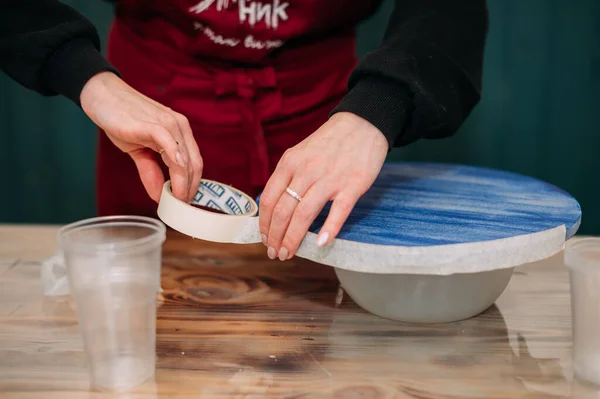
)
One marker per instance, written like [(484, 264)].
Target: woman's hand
[(140, 126), (338, 162)]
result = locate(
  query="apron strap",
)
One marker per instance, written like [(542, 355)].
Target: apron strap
[(246, 84)]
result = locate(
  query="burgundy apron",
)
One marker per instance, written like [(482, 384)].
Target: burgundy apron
[(253, 78)]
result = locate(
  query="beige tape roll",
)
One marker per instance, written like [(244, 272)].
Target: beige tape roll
[(236, 222)]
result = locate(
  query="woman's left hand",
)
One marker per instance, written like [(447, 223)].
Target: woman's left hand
[(339, 162)]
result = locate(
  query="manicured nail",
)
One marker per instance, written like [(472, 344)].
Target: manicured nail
[(322, 239), (283, 254), (179, 159), (271, 253), (263, 237)]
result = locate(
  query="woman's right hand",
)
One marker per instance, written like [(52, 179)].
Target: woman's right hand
[(141, 127)]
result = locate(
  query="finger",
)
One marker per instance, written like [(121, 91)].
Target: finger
[(274, 188), (171, 121), (179, 183), (196, 164), (182, 142), (174, 159), (281, 216), (150, 173), (179, 179), (163, 140), (343, 203), (304, 215)]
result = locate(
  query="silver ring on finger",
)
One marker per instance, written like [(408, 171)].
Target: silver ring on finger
[(293, 194)]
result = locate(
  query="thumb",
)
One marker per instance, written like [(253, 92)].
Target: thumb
[(150, 172)]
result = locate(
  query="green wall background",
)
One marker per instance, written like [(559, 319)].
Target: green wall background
[(538, 115)]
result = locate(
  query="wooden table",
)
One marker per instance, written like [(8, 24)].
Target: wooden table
[(235, 325)]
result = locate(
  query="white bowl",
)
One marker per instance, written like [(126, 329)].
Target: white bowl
[(419, 298)]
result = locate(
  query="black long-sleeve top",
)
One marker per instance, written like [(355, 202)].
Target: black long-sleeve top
[(422, 82)]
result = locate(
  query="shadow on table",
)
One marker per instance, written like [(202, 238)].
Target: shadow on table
[(246, 323)]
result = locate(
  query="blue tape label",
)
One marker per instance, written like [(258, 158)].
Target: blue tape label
[(222, 198), (235, 208), (213, 188)]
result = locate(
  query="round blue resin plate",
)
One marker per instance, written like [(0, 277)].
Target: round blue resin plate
[(424, 204)]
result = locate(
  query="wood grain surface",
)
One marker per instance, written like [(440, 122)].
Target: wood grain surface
[(233, 324)]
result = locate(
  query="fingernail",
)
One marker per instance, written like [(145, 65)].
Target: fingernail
[(271, 253), (283, 254), (322, 239), (263, 237), (179, 159)]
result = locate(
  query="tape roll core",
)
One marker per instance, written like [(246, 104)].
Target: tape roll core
[(238, 209)]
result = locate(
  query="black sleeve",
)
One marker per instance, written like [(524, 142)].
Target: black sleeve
[(425, 78), (49, 47)]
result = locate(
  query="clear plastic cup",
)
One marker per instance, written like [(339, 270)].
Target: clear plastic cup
[(582, 257), (113, 268)]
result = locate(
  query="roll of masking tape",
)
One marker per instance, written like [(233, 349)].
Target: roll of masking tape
[(218, 213)]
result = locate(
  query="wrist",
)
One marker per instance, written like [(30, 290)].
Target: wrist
[(94, 90), (369, 133)]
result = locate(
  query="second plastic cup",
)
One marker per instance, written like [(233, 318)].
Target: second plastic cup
[(113, 268), (582, 257)]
